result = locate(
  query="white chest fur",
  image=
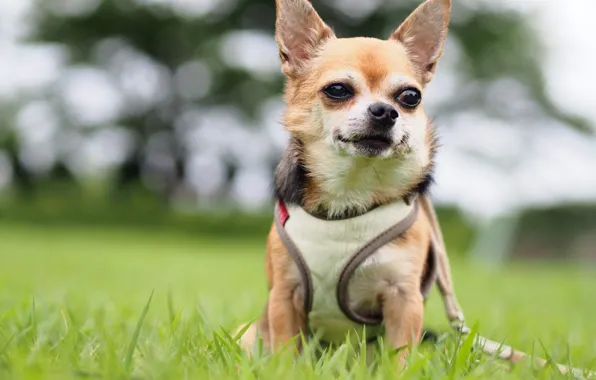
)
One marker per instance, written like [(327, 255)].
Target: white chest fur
[(326, 247)]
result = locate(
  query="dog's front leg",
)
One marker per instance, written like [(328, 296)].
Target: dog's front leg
[(403, 316), (284, 319)]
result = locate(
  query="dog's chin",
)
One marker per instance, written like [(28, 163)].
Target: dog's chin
[(381, 147)]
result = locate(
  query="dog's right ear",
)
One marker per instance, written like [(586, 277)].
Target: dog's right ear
[(423, 34), (299, 32)]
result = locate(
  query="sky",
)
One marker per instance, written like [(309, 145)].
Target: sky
[(545, 162)]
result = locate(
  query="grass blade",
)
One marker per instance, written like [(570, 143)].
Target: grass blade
[(243, 330), (550, 363), (5, 347), (135, 336), (464, 352), (171, 312), (33, 316)]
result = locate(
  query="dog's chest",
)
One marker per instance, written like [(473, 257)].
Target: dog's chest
[(327, 247)]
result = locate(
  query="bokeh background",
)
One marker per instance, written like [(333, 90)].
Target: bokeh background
[(136, 112)]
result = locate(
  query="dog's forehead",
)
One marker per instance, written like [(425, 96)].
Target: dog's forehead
[(376, 60)]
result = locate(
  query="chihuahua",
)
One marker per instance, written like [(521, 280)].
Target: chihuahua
[(349, 249), (355, 246)]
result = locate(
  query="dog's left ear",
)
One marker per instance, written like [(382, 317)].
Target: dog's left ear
[(423, 34), (300, 31)]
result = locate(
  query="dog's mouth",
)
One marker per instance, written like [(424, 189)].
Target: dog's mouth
[(372, 143)]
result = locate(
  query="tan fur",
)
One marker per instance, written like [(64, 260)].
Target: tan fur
[(284, 315), (419, 36), (403, 306)]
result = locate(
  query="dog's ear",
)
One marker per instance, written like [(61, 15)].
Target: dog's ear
[(423, 34), (299, 32)]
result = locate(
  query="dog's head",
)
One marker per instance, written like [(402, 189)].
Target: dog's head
[(360, 100)]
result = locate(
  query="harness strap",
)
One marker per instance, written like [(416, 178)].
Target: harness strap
[(281, 217), (438, 245), (360, 256)]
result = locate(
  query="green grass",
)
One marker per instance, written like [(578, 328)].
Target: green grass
[(74, 303)]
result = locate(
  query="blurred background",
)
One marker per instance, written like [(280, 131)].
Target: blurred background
[(166, 114)]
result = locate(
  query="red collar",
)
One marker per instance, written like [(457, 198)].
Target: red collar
[(282, 212), (284, 215)]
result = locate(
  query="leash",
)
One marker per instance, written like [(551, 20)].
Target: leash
[(455, 314), (511, 355)]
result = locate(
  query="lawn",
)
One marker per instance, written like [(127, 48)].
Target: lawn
[(71, 299)]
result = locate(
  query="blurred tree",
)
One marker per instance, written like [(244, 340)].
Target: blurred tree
[(182, 42)]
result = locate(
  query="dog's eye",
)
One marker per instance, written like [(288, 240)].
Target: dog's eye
[(337, 91), (409, 97)]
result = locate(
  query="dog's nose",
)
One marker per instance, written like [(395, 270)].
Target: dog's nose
[(383, 114)]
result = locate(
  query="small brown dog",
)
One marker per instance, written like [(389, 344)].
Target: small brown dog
[(356, 242), (349, 248)]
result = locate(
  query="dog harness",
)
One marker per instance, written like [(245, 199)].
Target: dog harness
[(333, 311), (337, 259)]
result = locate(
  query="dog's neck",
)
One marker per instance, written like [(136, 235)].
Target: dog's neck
[(335, 186)]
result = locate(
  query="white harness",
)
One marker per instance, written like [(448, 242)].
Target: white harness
[(344, 265)]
